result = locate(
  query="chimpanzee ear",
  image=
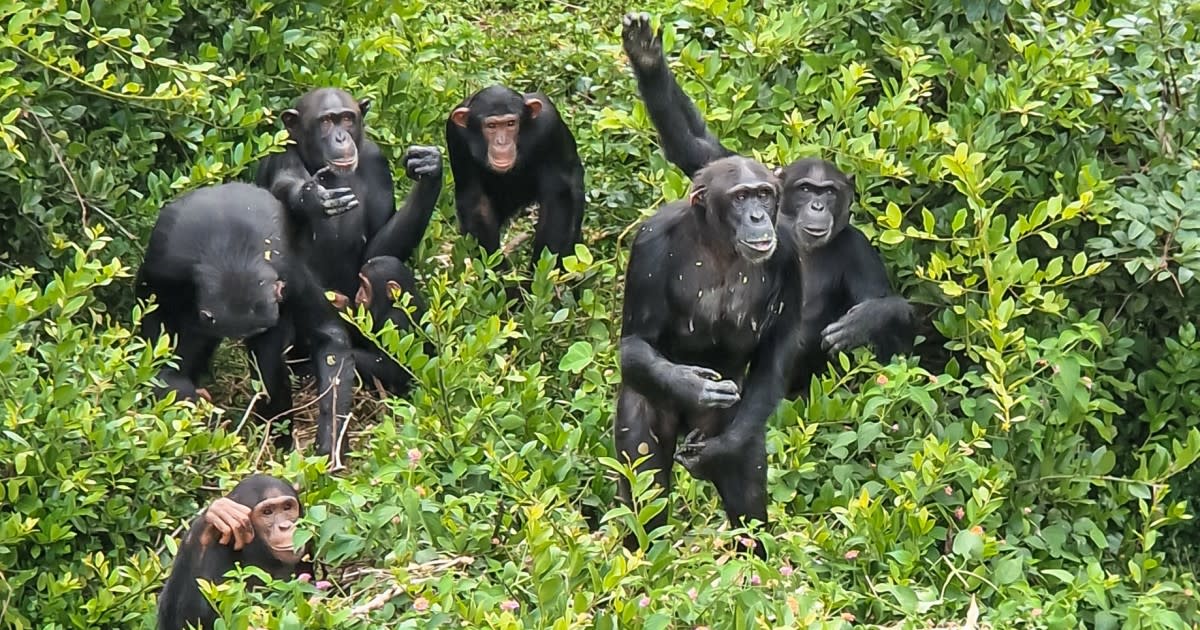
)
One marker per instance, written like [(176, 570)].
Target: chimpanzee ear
[(291, 119), (697, 195), (394, 290), (460, 116), (533, 105), (364, 105), (279, 284)]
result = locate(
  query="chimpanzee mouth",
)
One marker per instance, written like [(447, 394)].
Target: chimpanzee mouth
[(344, 166), (760, 245), (501, 166), (816, 232)]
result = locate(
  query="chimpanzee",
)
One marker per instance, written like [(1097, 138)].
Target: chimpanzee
[(848, 300), (337, 187), (707, 334), (382, 280), (220, 267), (508, 150), (254, 525)]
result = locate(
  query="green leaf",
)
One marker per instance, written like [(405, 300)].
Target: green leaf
[(578, 357)]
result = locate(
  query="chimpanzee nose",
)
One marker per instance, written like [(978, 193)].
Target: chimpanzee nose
[(758, 216), (818, 206)]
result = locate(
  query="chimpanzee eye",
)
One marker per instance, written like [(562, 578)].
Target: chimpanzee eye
[(267, 511), (326, 124), (512, 123), (741, 195), (763, 193)]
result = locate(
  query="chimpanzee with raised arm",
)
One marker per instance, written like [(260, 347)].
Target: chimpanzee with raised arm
[(848, 299)]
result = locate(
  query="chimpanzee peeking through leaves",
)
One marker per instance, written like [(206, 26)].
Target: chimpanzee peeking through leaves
[(382, 280), (337, 187), (848, 300), (508, 150), (254, 525), (708, 332), (220, 267)]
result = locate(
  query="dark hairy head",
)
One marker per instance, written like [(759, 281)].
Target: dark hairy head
[(738, 198), (235, 299), (815, 206), (493, 118), (275, 509), (381, 282), (327, 127)]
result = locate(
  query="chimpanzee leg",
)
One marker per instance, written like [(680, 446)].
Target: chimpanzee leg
[(334, 361), (742, 484), (267, 351), (640, 429)]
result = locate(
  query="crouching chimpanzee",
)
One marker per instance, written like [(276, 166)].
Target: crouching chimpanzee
[(337, 187), (220, 267), (848, 299), (708, 332), (382, 281), (253, 526), (508, 150)]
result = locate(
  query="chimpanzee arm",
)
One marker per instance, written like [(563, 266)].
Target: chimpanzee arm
[(305, 198), (684, 137), (402, 231), (878, 316), (646, 315), (766, 384), (560, 210)]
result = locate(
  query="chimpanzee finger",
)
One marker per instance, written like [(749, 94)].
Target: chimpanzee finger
[(328, 193), (705, 373)]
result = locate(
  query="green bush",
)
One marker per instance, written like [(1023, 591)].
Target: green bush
[(1028, 170)]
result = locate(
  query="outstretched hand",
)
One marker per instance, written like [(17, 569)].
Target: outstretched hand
[(231, 520), (642, 44), (422, 162), (331, 201)]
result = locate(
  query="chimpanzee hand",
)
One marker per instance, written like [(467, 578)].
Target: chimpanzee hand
[(849, 332), (331, 201), (232, 520), (421, 162), (642, 45), (701, 455), (705, 388)]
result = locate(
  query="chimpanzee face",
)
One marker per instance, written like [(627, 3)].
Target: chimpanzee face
[(816, 202), (494, 117), (274, 521), (326, 126), (739, 197), (237, 303), (275, 508)]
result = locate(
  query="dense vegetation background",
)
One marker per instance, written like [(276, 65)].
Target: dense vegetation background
[(1029, 169)]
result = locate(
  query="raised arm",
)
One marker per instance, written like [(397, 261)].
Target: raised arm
[(684, 137), (402, 232)]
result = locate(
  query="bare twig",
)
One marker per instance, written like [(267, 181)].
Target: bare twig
[(83, 206)]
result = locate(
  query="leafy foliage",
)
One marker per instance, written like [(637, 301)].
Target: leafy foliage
[(1029, 171)]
